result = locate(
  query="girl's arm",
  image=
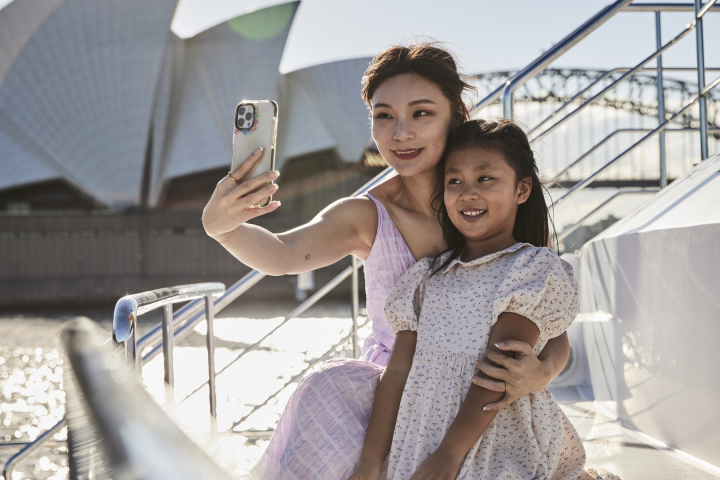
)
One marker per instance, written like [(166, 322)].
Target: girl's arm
[(346, 227), (529, 373), (386, 404), (472, 420)]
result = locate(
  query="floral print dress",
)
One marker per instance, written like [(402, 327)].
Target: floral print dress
[(453, 313)]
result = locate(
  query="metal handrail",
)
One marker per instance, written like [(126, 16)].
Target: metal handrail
[(31, 448), (299, 375), (611, 86), (663, 126), (606, 75), (572, 39), (610, 136), (570, 229), (550, 56), (663, 7), (129, 307), (556, 51), (302, 308)]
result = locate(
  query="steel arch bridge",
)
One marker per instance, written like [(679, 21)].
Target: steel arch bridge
[(630, 107)]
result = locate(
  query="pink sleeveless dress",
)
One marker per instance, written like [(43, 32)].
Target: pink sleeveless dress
[(321, 431)]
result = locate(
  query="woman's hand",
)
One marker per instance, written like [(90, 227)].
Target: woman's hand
[(438, 466), (366, 471), (523, 374), (233, 204)]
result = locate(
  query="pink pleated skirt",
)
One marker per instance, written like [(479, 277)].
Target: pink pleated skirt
[(321, 431)]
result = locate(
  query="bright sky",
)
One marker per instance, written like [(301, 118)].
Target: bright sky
[(488, 35)]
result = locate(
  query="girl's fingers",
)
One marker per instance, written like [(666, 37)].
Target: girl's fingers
[(497, 406), (487, 384), (499, 358), (255, 182), (515, 346), (495, 372)]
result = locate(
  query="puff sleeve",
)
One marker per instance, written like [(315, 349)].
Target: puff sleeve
[(541, 287), (402, 308)]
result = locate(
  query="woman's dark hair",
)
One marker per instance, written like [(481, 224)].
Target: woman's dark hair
[(533, 222), (427, 59)]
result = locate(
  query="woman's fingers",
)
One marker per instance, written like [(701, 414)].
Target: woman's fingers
[(515, 346), (256, 182), (495, 372), (257, 198), (241, 170), (492, 385), (499, 358), (497, 406), (253, 212)]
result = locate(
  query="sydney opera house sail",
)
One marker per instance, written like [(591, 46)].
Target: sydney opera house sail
[(104, 97)]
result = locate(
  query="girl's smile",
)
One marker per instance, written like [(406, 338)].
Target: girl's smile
[(481, 196), (472, 215)]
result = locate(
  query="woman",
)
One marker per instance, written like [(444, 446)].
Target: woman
[(414, 95)]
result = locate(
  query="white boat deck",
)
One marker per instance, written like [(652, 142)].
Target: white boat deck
[(613, 447)]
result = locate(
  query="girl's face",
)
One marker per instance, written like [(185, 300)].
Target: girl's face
[(410, 122), (482, 194)]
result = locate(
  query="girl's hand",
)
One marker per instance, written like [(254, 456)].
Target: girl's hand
[(523, 375), (366, 471), (438, 466), (233, 204)]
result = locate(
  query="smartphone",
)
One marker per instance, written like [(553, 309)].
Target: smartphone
[(255, 126)]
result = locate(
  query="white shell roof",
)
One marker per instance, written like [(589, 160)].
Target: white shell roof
[(81, 91), (82, 82)]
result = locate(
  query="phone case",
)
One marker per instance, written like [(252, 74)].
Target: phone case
[(255, 125)]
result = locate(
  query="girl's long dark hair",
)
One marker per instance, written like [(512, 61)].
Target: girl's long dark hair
[(532, 222)]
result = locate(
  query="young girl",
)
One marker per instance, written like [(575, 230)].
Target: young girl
[(496, 281)]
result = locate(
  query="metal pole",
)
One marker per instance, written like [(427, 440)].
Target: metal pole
[(167, 324), (210, 315), (31, 448), (701, 81), (355, 305), (508, 104), (135, 354), (661, 103)]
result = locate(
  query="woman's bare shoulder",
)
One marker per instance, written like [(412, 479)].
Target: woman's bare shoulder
[(353, 214)]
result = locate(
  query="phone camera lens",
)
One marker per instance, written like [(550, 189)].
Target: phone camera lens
[(248, 116), (241, 110)]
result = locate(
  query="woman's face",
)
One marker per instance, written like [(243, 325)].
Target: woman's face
[(482, 194), (410, 122)]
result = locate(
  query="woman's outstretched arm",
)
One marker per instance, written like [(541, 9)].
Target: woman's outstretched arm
[(529, 373), (386, 405), (346, 227), (472, 421)]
